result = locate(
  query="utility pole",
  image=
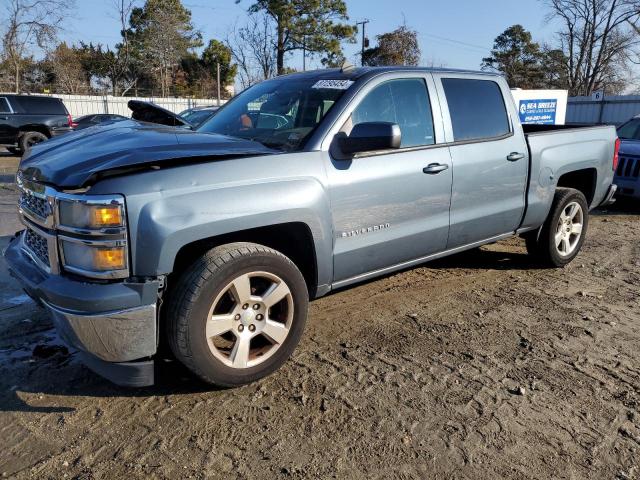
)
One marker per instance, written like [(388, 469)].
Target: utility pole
[(218, 82), (304, 53), (364, 39)]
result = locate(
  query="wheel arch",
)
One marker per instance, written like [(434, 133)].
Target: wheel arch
[(293, 239), (584, 180), (34, 128)]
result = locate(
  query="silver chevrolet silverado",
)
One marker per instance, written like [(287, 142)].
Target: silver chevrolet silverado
[(213, 240)]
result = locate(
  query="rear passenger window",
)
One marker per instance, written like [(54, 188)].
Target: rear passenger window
[(4, 105), (477, 109), (404, 102), (42, 105)]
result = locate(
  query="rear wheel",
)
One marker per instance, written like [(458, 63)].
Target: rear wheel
[(237, 313), (561, 237), (29, 139)]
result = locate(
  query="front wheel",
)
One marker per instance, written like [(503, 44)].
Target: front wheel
[(237, 313), (561, 237)]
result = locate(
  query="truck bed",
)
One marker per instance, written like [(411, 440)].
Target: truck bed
[(556, 150)]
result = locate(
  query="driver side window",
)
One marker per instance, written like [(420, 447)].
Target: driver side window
[(404, 102)]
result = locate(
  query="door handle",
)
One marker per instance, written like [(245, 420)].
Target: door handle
[(4, 118), (434, 168), (515, 156)]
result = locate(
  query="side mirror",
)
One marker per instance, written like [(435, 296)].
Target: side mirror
[(369, 137)]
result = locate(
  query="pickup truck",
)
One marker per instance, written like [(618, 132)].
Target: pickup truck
[(213, 240), (29, 119), (627, 177)]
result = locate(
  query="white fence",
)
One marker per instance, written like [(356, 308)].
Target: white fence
[(85, 104), (79, 105), (612, 109)]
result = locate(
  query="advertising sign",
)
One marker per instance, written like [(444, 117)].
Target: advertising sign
[(542, 111)]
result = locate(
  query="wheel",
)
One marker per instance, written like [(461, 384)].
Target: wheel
[(29, 139), (237, 313), (561, 237)]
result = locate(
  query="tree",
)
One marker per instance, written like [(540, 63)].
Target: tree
[(517, 57), (554, 68), (314, 25), (399, 47), (29, 24), (160, 35), (217, 53), (67, 70), (252, 49), (119, 63), (599, 39)]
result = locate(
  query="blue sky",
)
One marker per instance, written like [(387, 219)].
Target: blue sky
[(456, 33)]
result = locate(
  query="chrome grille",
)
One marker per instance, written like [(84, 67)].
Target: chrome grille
[(37, 245), (34, 204), (628, 167)]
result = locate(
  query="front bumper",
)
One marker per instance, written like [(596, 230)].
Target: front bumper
[(111, 323)]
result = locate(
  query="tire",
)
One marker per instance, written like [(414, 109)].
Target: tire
[(216, 350), (561, 237), (29, 139)]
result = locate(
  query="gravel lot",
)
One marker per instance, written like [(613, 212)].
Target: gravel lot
[(477, 366)]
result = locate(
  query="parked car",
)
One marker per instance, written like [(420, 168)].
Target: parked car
[(627, 176), (26, 120), (198, 115), (96, 119), (216, 239)]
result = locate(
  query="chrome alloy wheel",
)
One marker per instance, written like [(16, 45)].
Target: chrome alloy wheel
[(569, 229), (250, 319)]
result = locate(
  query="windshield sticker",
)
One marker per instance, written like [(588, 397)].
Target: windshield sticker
[(333, 84)]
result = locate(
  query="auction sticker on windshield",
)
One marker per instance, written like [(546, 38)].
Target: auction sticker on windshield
[(333, 84)]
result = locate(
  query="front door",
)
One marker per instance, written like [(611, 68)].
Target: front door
[(391, 207)]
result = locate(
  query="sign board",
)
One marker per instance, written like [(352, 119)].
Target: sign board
[(541, 106), (540, 111), (597, 96)]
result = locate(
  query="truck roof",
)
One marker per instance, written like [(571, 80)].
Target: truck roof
[(355, 73)]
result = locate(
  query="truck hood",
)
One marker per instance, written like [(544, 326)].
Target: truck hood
[(150, 112), (78, 159)]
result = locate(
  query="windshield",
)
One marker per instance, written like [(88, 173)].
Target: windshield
[(629, 130), (280, 113)]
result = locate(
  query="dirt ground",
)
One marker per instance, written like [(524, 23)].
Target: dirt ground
[(477, 366)]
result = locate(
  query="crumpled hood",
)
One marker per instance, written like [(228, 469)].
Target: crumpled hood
[(75, 159)]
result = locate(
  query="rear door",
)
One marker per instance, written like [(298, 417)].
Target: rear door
[(386, 209), (489, 155)]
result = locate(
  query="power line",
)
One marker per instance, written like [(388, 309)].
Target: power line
[(458, 42)]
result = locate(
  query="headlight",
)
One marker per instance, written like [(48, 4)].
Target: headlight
[(93, 236), (89, 215), (94, 258)]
